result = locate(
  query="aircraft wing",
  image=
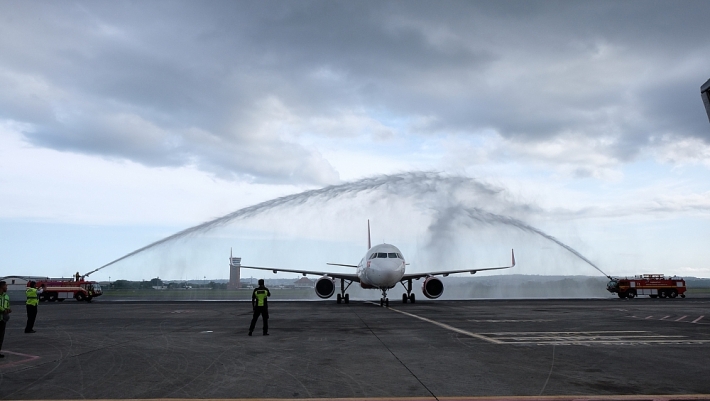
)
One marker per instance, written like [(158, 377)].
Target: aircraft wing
[(340, 264), (446, 273), (345, 276)]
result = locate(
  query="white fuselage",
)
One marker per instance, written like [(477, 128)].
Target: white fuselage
[(382, 267)]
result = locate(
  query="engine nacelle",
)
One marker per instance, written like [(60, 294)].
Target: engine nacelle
[(325, 287), (432, 288)]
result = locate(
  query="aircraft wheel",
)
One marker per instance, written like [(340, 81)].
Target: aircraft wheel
[(387, 302), (339, 298), (404, 298), (382, 302), (346, 298), (411, 297)]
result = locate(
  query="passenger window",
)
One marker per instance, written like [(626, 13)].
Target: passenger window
[(392, 255), (382, 255)]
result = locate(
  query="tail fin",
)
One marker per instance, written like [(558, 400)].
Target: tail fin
[(369, 243)]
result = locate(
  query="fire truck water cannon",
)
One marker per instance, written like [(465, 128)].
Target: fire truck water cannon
[(653, 285), (77, 288)]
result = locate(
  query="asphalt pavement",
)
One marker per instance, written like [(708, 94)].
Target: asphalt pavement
[(430, 349)]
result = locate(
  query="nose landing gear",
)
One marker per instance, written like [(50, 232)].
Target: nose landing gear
[(384, 301)]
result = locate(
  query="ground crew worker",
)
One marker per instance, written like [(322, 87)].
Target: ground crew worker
[(258, 302), (32, 302), (4, 311)]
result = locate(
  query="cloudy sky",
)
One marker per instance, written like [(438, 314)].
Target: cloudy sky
[(124, 122)]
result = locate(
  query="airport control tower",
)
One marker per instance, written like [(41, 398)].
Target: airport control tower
[(705, 93), (235, 265)]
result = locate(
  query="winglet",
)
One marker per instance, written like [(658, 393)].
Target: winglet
[(369, 243), (512, 253)]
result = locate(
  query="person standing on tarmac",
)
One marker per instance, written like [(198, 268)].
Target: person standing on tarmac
[(4, 312), (32, 302), (260, 306)]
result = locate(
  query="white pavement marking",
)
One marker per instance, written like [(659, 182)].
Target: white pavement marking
[(681, 318), (452, 328), (567, 332), (665, 317), (590, 337), (648, 317), (698, 319), (510, 321)]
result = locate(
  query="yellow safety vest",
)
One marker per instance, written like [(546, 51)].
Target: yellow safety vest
[(4, 302), (260, 297), (32, 298)]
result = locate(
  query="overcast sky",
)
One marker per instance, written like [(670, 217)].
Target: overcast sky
[(123, 122)]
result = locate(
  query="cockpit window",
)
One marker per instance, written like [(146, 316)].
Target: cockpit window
[(374, 255), (392, 255), (382, 255)]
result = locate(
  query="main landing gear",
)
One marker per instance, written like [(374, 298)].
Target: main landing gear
[(409, 296), (343, 296), (384, 301)]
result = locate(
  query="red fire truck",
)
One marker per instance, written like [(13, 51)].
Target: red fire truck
[(60, 289), (653, 285)]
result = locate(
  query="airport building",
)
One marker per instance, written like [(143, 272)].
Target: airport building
[(705, 93)]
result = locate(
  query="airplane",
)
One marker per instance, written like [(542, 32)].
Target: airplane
[(382, 267)]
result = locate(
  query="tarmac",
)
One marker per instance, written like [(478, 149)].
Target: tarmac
[(557, 349)]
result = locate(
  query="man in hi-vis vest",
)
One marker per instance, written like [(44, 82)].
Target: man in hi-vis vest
[(258, 302), (32, 302), (4, 312)]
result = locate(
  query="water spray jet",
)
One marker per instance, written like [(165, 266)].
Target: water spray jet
[(426, 188)]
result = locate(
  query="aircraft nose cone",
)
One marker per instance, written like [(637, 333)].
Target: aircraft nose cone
[(388, 272)]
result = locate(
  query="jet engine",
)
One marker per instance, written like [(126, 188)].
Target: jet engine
[(325, 287), (432, 288)]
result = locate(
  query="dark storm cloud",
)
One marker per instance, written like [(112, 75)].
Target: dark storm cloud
[(231, 86)]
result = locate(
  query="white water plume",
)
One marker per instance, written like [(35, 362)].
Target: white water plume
[(448, 201)]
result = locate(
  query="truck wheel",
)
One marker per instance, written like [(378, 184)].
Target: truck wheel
[(682, 295), (88, 299), (622, 295), (631, 294), (79, 296), (673, 293), (52, 296), (653, 296), (662, 294)]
